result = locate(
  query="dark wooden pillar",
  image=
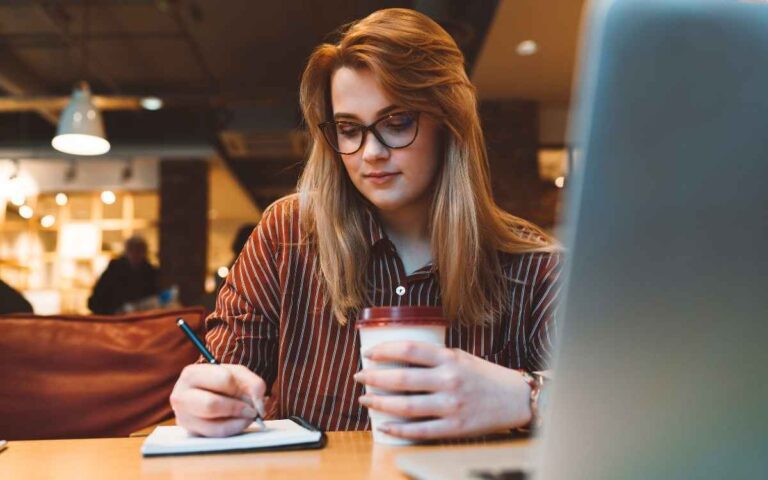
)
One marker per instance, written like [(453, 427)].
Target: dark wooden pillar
[(511, 130), (184, 226)]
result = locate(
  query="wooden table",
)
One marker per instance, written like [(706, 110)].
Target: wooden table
[(348, 455)]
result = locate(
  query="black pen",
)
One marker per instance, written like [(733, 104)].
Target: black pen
[(208, 355)]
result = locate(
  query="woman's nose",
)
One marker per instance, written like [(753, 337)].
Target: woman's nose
[(373, 149)]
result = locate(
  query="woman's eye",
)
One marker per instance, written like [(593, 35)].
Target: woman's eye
[(399, 122), (347, 130)]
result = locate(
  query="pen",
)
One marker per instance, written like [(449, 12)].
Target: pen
[(207, 354)]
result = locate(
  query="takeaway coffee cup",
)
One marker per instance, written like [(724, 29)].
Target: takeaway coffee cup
[(388, 324)]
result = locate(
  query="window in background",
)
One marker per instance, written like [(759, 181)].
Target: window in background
[(56, 256)]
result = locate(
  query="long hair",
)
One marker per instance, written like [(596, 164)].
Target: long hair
[(420, 67)]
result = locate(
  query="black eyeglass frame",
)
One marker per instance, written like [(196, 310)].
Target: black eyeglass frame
[(370, 128)]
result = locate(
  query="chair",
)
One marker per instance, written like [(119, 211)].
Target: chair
[(76, 376)]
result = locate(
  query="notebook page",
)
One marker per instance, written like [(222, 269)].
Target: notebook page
[(174, 439)]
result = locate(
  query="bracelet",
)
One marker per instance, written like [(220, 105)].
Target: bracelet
[(535, 382)]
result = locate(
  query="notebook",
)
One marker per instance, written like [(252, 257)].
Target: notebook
[(288, 434)]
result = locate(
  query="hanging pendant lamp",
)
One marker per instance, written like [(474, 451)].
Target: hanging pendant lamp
[(81, 129)]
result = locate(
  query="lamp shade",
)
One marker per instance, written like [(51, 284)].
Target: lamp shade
[(81, 129)]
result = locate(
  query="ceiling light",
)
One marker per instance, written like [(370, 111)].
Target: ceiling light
[(18, 199), (20, 188), (127, 173), (61, 199), (48, 221), (81, 129), (15, 166), (526, 48), (26, 211), (151, 103), (71, 172), (560, 182), (222, 272), (108, 197)]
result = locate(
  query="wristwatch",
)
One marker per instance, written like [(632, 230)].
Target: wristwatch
[(536, 382)]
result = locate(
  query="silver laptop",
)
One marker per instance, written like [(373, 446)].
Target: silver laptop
[(662, 371)]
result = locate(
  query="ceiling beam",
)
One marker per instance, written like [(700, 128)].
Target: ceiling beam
[(192, 43), (16, 79), (60, 20), (54, 40), (165, 151), (54, 104)]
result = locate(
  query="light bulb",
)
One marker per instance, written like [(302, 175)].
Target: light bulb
[(108, 197), (26, 211), (47, 221), (527, 48)]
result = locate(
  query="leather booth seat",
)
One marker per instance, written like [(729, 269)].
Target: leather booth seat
[(90, 376)]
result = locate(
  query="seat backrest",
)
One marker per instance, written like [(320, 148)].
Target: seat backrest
[(90, 376)]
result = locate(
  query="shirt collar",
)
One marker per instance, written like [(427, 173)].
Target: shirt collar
[(375, 231), (376, 235)]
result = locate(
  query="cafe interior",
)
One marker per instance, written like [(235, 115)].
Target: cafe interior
[(199, 129), (177, 123)]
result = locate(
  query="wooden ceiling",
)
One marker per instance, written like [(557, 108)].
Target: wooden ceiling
[(545, 76)]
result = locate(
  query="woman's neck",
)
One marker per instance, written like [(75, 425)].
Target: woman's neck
[(410, 224), (408, 230)]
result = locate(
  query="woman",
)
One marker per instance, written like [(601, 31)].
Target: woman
[(394, 208)]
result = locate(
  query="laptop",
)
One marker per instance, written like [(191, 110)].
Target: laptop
[(661, 371)]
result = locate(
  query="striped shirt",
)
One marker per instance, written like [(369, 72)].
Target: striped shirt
[(270, 317)]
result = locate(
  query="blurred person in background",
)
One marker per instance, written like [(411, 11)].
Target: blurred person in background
[(241, 238), (127, 279), (11, 301), (208, 300)]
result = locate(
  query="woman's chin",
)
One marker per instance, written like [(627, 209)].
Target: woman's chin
[(385, 203)]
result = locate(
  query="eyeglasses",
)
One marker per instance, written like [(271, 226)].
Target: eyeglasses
[(397, 130)]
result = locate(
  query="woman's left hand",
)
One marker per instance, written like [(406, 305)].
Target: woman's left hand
[(459, 393)]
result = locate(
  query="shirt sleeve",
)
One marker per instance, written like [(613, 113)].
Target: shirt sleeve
[(244, 327), (544, 304)]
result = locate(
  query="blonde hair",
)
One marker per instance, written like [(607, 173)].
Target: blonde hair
[(420, 67)]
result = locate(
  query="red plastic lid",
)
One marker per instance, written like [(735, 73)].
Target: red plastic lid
[(406, 315)]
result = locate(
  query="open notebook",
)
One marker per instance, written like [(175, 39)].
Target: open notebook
[(292, 433)]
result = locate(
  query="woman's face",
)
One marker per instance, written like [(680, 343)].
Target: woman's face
[(391, 179)]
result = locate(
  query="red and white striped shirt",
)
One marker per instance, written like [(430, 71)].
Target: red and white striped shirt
[(269, 317)]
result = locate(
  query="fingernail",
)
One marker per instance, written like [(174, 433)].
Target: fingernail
[(364, 400), (259, 404), (359, 376), (367, 354), (248, 412), (384, 428)]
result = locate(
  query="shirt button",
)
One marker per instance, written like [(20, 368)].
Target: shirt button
[(400, 290)]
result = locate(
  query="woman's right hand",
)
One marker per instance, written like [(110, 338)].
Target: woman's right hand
[(217, 400)]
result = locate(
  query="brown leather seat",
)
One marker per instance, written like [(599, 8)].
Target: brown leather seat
[(90, 376)]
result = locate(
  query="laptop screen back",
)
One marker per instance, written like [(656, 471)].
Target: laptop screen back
[(664, 340)]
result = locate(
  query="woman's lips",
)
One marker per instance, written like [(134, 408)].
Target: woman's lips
[(380, 178)]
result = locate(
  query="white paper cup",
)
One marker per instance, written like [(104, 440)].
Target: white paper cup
[(389, 324)]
